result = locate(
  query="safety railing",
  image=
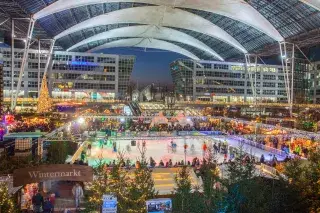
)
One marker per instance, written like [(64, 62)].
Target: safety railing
[(261, 146)]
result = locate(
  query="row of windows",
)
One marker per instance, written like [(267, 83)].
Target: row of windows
[(62, 57), (268, 92), (35, 56), (269, 84), (219, 82), (106, 60), (7, 83), (85, 58), (16, 74), (220, 74), (34, 75), (214, 66), (219, 90), (238, 91), (83, 68), (31, 84), (8, 74), (7, 54), (17, 64), (32, 65), (236, 75), (94, 86), (269, 77), (84, 77)]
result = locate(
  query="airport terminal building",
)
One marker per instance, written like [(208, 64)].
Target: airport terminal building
[(71, 75)]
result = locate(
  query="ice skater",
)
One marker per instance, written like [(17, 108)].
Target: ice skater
[(204, 148), (144, 144), (192, 149), (114, 146)]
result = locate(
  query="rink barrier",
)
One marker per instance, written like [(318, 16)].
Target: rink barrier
[(261, 146)]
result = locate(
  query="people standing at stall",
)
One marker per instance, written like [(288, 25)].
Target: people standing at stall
[(47, 206), (77, 192), (37, 202)]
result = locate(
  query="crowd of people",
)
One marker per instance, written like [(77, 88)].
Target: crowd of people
[(22, 126), (33, 200), (38, 201)]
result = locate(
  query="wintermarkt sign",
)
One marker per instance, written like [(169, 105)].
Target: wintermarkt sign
[(66, 172)]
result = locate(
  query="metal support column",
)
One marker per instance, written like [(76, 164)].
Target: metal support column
[(39, 65), (12, 62), (24, 59), (251, 65), (287, 51), (47, 63)]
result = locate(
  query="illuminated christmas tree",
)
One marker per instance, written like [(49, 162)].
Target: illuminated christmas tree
[(44, 101), (98, 187), (6, 203), (141, 188)]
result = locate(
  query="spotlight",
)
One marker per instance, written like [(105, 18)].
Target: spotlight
[(81, 120)]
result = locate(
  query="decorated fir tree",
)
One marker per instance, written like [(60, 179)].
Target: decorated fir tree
[(98, 187), (209, 171), (6, 202), (44, 100), (242, 168), (183, 194), (241, 174), (142, 186), (120, 184)]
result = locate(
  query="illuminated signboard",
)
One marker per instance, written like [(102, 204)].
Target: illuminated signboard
[(83, 63)]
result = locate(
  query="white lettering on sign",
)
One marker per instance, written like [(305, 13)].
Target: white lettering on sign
[(38, 174)]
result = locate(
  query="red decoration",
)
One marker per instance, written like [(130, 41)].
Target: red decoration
[(185, 146), (9, 119)]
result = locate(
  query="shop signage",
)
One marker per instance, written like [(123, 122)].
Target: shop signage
[(109, 204), (67, 172), (162, 205)]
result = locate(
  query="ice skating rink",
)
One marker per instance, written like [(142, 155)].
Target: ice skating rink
[(161, 150)]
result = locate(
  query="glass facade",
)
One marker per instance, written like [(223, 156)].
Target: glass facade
[(71, 74), (226, 81)]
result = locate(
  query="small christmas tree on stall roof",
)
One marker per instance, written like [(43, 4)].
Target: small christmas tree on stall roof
[(6, 203), (44, 101)]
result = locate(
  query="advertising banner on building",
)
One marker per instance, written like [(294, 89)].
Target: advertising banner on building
[(163, 205), (109, 204)]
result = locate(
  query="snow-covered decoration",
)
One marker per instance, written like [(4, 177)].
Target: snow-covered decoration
[(160, 119), (183, 120)]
